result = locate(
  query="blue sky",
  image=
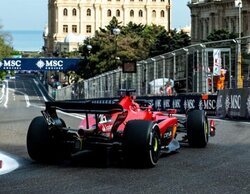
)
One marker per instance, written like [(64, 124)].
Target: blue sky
[(32, 14)]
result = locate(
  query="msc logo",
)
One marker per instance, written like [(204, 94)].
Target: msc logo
[(54, 63), (50, 64), (11, 64), (227, 103), (40, 64), (189, 104)]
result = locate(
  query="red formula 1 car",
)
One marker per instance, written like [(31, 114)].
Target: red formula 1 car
[(128, 127)]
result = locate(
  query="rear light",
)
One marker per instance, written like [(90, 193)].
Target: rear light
[(212, 128)]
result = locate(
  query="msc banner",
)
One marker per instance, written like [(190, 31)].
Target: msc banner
[(234, 103), (39, 64), (181, 102)]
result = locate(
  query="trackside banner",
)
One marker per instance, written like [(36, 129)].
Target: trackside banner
[(234, 103), (181, 103), (40, 64)]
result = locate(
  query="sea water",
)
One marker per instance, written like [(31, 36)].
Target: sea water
[(26, 40)]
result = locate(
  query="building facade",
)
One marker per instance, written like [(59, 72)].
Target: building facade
[(71, 21), (210, 15)]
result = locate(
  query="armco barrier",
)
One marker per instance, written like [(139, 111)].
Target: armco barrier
[(234, 103), (181, 102)]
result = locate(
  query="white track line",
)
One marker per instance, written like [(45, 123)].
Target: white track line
[(26, 97), (8, 164), (2, 95), (37, 85), (27, 100), (7, 95)]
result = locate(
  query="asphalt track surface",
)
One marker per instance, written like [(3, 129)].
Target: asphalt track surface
[(222, 167)]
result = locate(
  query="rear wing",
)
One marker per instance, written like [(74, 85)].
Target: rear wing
[(83, 107), (86, 107)]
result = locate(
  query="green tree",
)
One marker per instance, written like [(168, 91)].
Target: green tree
[(134, 43), (220, 35), (5, 49), (169, 41)]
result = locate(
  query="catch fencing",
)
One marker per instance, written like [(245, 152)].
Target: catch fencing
[(190, 68)]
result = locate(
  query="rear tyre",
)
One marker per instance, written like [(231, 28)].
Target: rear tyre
[(197, 128), (40, 145), (141, 143)]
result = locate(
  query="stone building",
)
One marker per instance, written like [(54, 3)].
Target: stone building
[(210, 15), (71, 21)]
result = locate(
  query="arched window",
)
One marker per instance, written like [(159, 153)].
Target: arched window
[(65, 12), (74, 12), (153, 13), (109, 13), (132, 13), (88, 12), (140, 13), (118, 13), (162, 13)]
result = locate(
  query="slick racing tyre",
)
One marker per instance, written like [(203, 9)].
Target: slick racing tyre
[(41, 147), (197, 128), (141, 143)]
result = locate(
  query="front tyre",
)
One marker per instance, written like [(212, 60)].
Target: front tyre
[(197, 128), (141, 143)]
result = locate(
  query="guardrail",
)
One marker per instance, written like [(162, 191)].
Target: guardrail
[(190, 68)]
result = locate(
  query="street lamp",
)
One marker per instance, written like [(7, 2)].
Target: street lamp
[(89, 47), (238, 3), (116, 32)]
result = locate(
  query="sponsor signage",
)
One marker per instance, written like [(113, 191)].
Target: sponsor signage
[(181, 103), (234, 103), (39, 64)]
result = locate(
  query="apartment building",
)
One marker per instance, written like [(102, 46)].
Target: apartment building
[(71, 21), (210, 15)]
